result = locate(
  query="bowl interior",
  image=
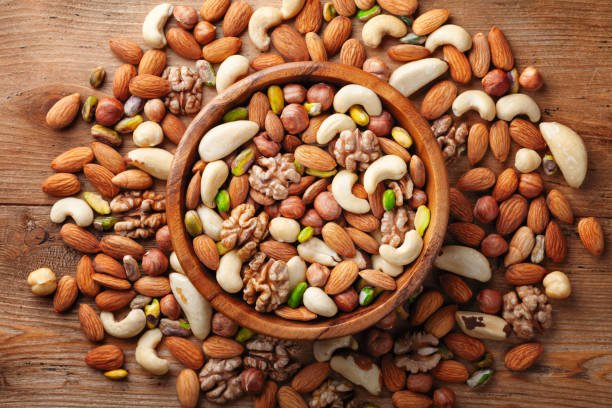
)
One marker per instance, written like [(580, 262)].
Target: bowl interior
[(346, 323)]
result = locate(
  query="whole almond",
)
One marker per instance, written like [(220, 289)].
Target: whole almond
[(501, 53), (417, 171), (338, 239), (310, 377), (378, 279), (118, 246), (526, 134), (399, 7), (364, 241), (480, 55), (309, 19), (111, 282), (506, 185), (467, 233), (289, 43), (499, 140), (185, 351), (173, 127), (525, 274), (258, 108), (183, 43), (65, 294), (442, 321), (523, 356), (538, 215), (302, 186), (239, 190), (133, 179), (409, 399), (73, 160), (591, 235), (429, 21), (512, 213), (148, 86), (316, 48), (425, 306), (188, 388), (342, 277), (460, 206), (458, 64), (63, 112), (153, 286), (455, 288), (274, 127), (113, 300), (126, 50), (214, 10), (221, 347), (278, 250), (555, 243), (477, 143), (476, 179), (153, 62), (92, 326), (108, 157), (464, 346), (267, 60), (389, 146), (267, 398), (206, 251), (121, 81), (438, 100), (80, 239), (353, 53), (61, 185), (105, 358), (314, 157), (300, 313), (289, 398), (407, 52), (84, 277), (450, 371), (363, 222), (236, 18), (101, 178), (345, 8), (338, 30), (103, 263), (559, 206), (394, 377)]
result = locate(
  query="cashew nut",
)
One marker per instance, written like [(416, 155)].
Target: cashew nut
[(146, 355), (333, 125), (284, 229), (216, 144), (557, 285), (175, 264), (130, 326), (324, 349), (152, 160), (153, 25), (319, 302), (380, 263), (342, 191), (197, 309), (148, 134), (359, 259), (405, 253), (359, 370), (568, 150), (78, 209), (464, 261), (315, 250), (290, 8), (527, 160), (261, 21), (414, 75), (389, 167), (353, 94), (513, 105), (233, 69), (213, 177), (211, 221), (482, 325), (474, 100), (228, 272), (449, 34), (296, 267), (378, 27)]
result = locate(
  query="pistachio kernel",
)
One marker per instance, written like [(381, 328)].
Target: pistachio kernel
[(244, 335), (365, 15), (97, 203), (118, 374), (295, 298), (193, 223), (321, 173), (243, 161), (97, 76), (388, 200), (359, 115), (402, 137), (329, 12), (305, 234), (412, 38), (88, 111), (128, 125), (313, 108), (549, 165), (106, 135), (223, 201), (366, 296), (421, 219), (105, 223), (480, 377), (485, 362), (407, 20), (239, 113), (221, 248), (276, 98), (152, 313), (207, 72)]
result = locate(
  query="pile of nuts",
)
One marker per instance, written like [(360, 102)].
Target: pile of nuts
[(277, 160)]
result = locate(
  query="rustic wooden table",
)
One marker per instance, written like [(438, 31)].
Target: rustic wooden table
[(48, 49)]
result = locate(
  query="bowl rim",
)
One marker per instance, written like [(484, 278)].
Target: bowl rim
[(237, 309)]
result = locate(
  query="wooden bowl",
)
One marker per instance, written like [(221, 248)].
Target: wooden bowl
[(234, 306)]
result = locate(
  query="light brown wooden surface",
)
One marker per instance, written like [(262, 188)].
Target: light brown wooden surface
[(49, 47)]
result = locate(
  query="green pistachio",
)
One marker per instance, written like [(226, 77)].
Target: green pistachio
[(445, 353), (221, 248), (401, 136), (305, 234), (88, 111), (480, 377), (359, 115), (421, 219), (549, 165), (329, 12), (223, 201), (106, 135), (243, 161), (128, 125), (485, 362), (313, 108), (193, 223), (407, 20), (388, 200), (412, 38), (365, 15), (298, 166), (366, 296), (96, 78), (244, 335), (152, 312), (276, 98), (117, 374), (239, 113), (320, 173), (105, 223), (207, 72), (295, 298), (184, 324), (95, 201)]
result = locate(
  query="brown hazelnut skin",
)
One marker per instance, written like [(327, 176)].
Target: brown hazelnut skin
[(489, 301), (109, 111), (204, 32), (252, 381), (531, 79), (312, 219), (292, 207), (444, 397), (486, 209), (271, 210), (321, 93), (155, 110), (347, 301), (170, 307), (266, 146), (224, 326), (154, 262), (377, 67), (295, 118), (327, 207), (419, 197), (317, 275), (381, 125), (388, 322), (185, 16), (162, 238), (420, 383), (290, 143), (378, 342), (294, 93), (493, 245), (531, 185), (496, 83)]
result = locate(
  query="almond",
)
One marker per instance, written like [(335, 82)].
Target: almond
[(467, 233), (512, 213), (555, 244), (149, 86), (274, 127), (363, 222), (476, 179), (173, 127), (289, 398), (278, 250), (310, 377), (525, 274), (188, 353), (438, 100), (107, 357), (538, 215), (477, 143), (507, 183), (338, 30), (338, 239), (218, 50), (378, 279), (267, 60), (375, 200), (153, 62), (464, 346), (393, 376), (363, 240), (591, 235), (389, 146), (429, 21), (450, 371), (65, 294), (315, 158), (236, 18), (526, 134), (480, 55), (559, 206), (80, 239), (442, 321), (214, 10), (188, 388), (289, 43), (458, 64), (153, 286), (267, 398), (192, 196), (300, 314), (183, 43), (501, 54), (316, 48), (61, 185), (84, 277), (73, 160), (121, 81), (108, 157), (353, 53), (206, 251), (341, 277), (409, 399), (126, 50), (309, 19), (111, 282), (399, 7), (523, 356), (407, 52), (345, 8), (258, 108), (425, 306), (221, 347), (133, 179), (239, 190), (113, 300), (92, 326), (455, 288), (118, 246), (63, 112), (499, 140), (460, 206), (101, 178)]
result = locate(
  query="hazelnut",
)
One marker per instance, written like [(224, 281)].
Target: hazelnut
[(224, 326), (327, 207), (496, 83), (170, 307), (486, 209), (420, 383), (417, 171), (419, 198), (312, 219), (290, 143), (444, 397), (154, 262), (204, 32), (292, 207), (317, 275), (347, 301), (377, 67), (321, 93), (531, 185), (381, 125), (42, 281), (109, 111), (489, 301), (155, 110), (271, 210), (294, 93), (266, 146), (295, 118), (388, 322), (493, 245), (252, 381), (185, 16), (162, 238), (378, 342), (531, 79)]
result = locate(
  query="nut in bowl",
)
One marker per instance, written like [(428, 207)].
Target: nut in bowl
[(303, 224)]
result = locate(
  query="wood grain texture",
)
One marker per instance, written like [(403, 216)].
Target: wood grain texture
[(48, 49)]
